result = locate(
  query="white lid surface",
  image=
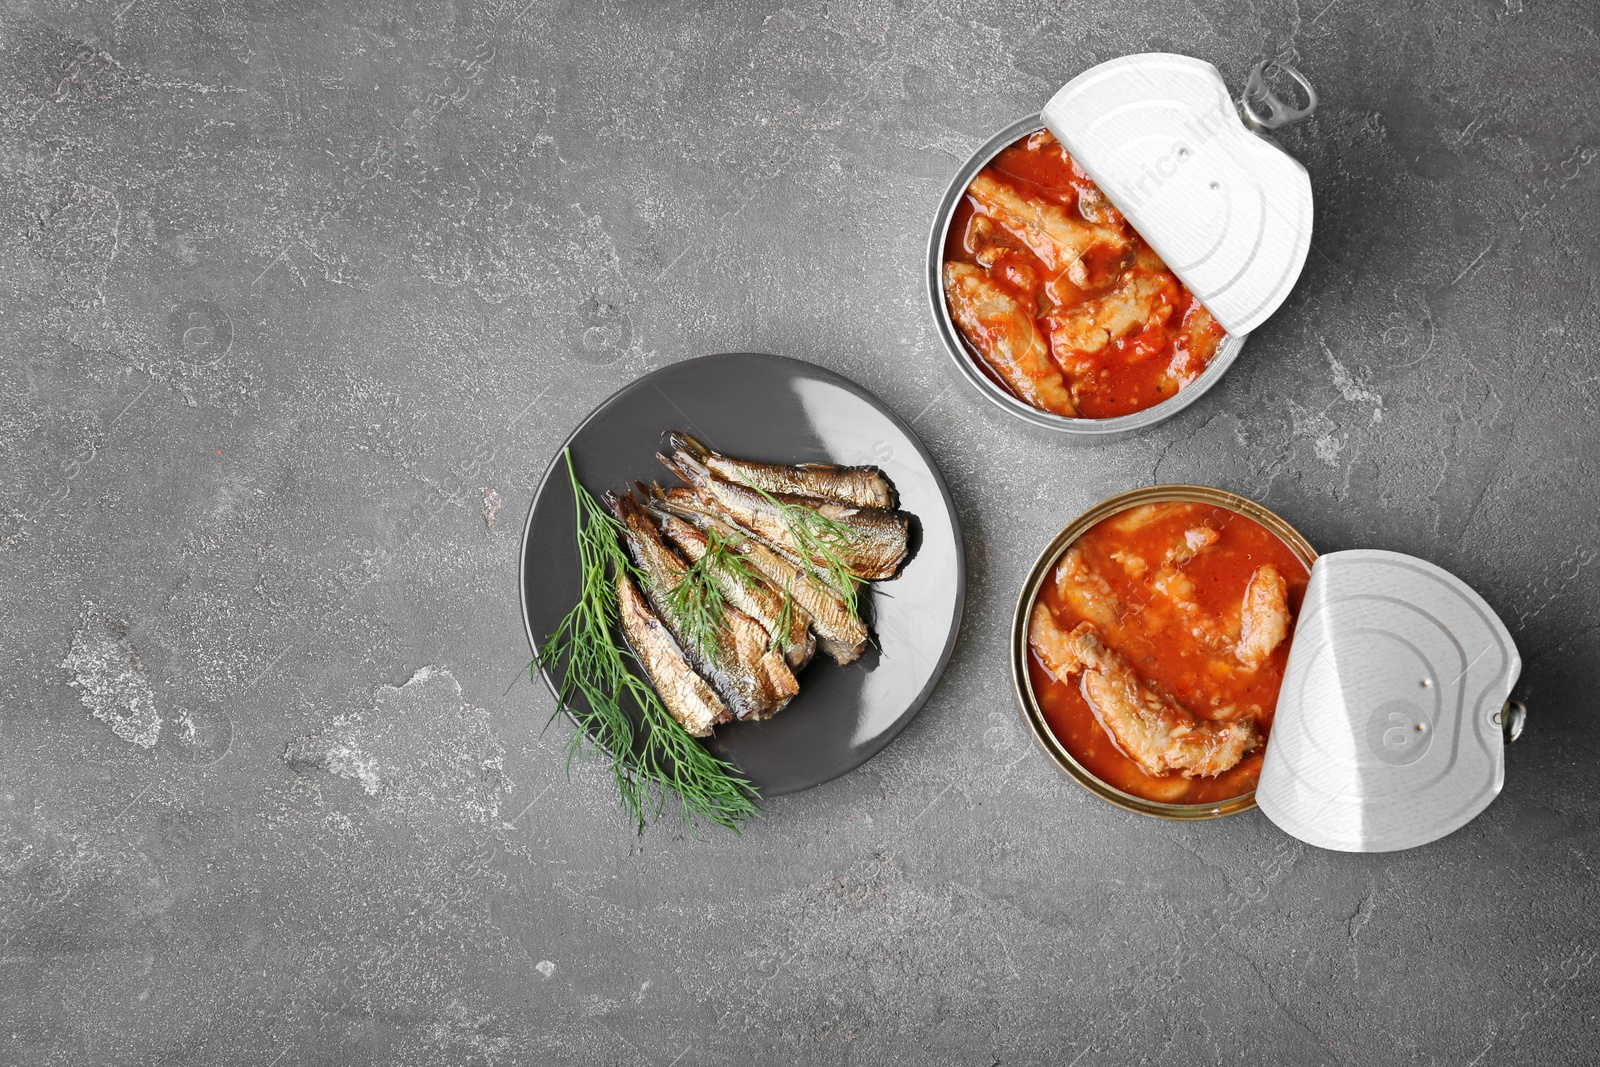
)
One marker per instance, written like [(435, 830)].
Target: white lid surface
[(1227, 211), (1387, 733)]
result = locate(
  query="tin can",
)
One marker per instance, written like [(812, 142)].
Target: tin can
[(970, 365), (1195, 230), (1395, 707), (1022, 683)]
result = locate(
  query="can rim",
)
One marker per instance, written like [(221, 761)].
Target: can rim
[(1022, 683), (966, 360)]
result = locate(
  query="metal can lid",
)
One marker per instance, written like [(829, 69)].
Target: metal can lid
[(1388, 730), (1228, 211)]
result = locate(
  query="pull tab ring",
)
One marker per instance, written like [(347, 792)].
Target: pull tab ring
[(1512, 717), (1265, 110)]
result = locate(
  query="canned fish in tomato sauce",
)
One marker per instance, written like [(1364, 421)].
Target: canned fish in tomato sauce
[(1096, 268), (1185, 653), (1155, 579)]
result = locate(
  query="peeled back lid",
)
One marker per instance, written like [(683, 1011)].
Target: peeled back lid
[(1387, 733), (1228, 211)]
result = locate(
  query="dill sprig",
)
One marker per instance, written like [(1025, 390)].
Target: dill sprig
[(698, 606), (818, 540), (785, 622), (731, 561), (646, 762), (698, 599)]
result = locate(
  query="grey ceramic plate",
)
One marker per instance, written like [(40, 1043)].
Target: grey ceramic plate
[(779, 410)]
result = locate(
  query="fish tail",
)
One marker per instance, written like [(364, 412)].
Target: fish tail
[(686, 467), (682, 442)]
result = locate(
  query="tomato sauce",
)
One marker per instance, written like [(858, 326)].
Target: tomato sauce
[(1133, 372), (1152, 634)]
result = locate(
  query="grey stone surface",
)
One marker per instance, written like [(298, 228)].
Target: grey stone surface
[(300, 299)]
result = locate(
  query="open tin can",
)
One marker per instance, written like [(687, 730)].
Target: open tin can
[(1394, 710), (1192, 171)]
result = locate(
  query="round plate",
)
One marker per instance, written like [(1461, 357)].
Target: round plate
[(778, 410)]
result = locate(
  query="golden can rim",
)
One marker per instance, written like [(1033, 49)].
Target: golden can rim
[(1022, 684)]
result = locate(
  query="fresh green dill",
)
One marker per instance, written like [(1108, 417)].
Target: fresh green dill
[(780, 642), (699, 600), (818, 540), (697, 604), (658, 756), (729, 560)]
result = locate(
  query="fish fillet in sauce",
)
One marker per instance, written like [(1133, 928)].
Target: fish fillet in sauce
[(1264, 620), (1005, 335), (1143, 297), (1158, 645), (1154, 730), (1058, 239), (1087, 591), (1040, 245)]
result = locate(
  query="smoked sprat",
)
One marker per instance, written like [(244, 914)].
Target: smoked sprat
[(721, 589)]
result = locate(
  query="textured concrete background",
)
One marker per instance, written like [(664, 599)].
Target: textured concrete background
[(300, 299)]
